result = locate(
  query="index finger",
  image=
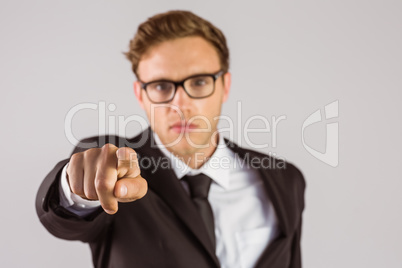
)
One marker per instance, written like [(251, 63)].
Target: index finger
[(127, 166), (105, 179)]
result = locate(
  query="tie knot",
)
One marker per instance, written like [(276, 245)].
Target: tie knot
[(199, 185)]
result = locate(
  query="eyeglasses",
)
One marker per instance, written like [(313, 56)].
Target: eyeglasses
[(197, 87)]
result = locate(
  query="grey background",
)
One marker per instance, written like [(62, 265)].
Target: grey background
[(287, 58)]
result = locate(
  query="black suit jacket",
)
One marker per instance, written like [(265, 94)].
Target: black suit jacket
[(163, 229)]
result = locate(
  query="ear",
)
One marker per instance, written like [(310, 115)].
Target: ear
[(138, 93), (226, 86)]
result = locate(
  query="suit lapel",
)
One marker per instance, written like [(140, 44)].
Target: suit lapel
[(271, 185), (273, 190), (166, 185), (274, 248)]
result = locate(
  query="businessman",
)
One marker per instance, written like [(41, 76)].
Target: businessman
[(178, 194)]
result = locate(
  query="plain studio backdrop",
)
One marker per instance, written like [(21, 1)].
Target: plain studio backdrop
[(289, 59)]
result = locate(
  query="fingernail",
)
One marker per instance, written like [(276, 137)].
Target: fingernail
[(109, 211), (123, 191)]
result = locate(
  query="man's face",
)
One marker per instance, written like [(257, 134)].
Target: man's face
[(176, 60)]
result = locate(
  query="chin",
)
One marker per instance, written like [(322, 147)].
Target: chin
[(185, 147)]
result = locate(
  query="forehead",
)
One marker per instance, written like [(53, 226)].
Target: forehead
[(178, 58)]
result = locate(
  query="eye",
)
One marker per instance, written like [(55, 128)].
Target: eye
[(201, 81), (161, 86)]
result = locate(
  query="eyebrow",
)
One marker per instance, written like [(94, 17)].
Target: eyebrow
[(170, 80)]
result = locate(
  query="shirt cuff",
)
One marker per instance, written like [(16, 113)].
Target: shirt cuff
[(72, 202)]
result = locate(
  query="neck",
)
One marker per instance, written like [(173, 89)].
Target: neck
[(198, 159)]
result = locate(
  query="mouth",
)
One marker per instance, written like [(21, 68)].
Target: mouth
[(183, 126)]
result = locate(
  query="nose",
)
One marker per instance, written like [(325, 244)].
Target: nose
[(181, 98)]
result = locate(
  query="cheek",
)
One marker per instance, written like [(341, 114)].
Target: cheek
[(156, 116), (210, 110)]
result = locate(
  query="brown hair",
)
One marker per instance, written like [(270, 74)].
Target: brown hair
[(171, 25)]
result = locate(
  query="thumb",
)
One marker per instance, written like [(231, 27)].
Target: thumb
[(130, 189)]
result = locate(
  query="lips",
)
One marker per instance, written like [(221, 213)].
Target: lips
[(183, 126)]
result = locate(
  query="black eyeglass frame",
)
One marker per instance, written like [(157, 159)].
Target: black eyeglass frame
[(215, 76)]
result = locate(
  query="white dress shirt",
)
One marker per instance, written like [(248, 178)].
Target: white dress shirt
[(245, 220)]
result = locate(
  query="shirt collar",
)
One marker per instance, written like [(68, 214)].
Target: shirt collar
[(218, 167)]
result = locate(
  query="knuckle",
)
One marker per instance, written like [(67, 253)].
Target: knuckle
[(75, 158), (102, 184), (107, 147), (90, 194), (133, 155), (136, 171), (91, 153)]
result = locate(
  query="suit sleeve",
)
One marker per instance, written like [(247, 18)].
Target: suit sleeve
[(296, 259), (59, 221)]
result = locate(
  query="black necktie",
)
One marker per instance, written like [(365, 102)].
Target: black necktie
[(199, 188)]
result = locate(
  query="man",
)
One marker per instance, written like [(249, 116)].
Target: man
[(156, 200)]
